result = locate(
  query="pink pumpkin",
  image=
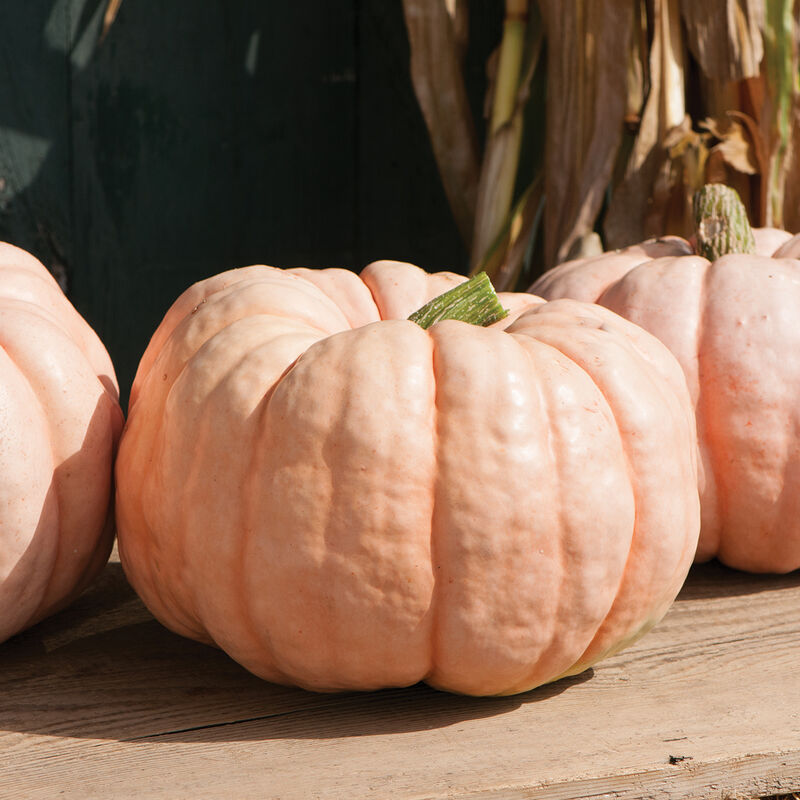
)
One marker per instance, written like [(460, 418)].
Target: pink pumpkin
[(341, 499), (733, 322), (60, 421)]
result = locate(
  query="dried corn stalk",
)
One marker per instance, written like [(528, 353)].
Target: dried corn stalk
[(496, 227), (646, 100), (587, 76), (110, 14), (436, 57), (725, 36), (634, 215), (781, 100)]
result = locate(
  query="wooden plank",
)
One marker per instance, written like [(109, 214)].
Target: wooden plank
[(101, 701)]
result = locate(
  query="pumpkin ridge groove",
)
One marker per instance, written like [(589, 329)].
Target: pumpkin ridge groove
[(246, 284), (433, 610), (26, 306), (205, 424), (579, 665), (52, 496), (547, 408), (160, 588), (45, 606), (710, 464), (259, 634), (372, 295), (645, 625)]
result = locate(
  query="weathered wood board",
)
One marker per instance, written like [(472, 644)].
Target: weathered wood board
[(103, 702)]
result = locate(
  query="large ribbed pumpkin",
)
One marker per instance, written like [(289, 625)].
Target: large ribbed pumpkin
[(341, 499), (733, 322), (59, 423)]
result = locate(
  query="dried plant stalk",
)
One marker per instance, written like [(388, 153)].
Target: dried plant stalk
[(459, 13), (587, 77), (637, 64), (506, 256), (780, 71), (501, 158), (110, 14), (634, 214), (619, 66), (725, 36), (440, 90)]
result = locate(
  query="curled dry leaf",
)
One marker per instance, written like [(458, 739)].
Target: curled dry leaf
[(442, 96), (736, 158), (724, 36), (680, 174), (735, 145), (587, 75)]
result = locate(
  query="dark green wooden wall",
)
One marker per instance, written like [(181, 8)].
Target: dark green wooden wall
[(201, 135)]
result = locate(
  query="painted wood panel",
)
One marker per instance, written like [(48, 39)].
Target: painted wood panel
[(206, 135)]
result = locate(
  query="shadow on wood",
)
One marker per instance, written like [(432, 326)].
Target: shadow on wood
[(105, 669), (716, 580), (102, 701)]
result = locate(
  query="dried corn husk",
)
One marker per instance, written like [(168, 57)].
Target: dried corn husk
[(516, 63), (436, 57), (634, 210), (587, 92), (725, 36)]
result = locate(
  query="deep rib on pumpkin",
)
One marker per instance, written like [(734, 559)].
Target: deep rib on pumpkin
[(343, 500), (734, 326), (60, 421)]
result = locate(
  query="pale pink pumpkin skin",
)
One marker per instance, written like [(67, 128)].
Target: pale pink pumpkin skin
[(342, 500), (734, 326), (59, 423)]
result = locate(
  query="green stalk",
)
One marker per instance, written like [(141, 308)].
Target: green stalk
[(721, 222), (474, 301)]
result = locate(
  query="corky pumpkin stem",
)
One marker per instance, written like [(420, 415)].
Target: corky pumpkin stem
[(474, 301), (721, 222)]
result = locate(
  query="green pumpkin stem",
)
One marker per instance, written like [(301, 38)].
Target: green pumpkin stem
[(474, 301), (721, 223)]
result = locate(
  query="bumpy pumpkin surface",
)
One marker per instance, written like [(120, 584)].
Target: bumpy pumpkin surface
[(734, 325), (342, 500), (60, 420)]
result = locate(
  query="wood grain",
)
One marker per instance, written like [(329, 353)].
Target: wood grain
[(101, 701)]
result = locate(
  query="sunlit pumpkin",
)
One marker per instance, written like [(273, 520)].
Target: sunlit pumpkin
[(59, 423), (341, 499), (732, 319)]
